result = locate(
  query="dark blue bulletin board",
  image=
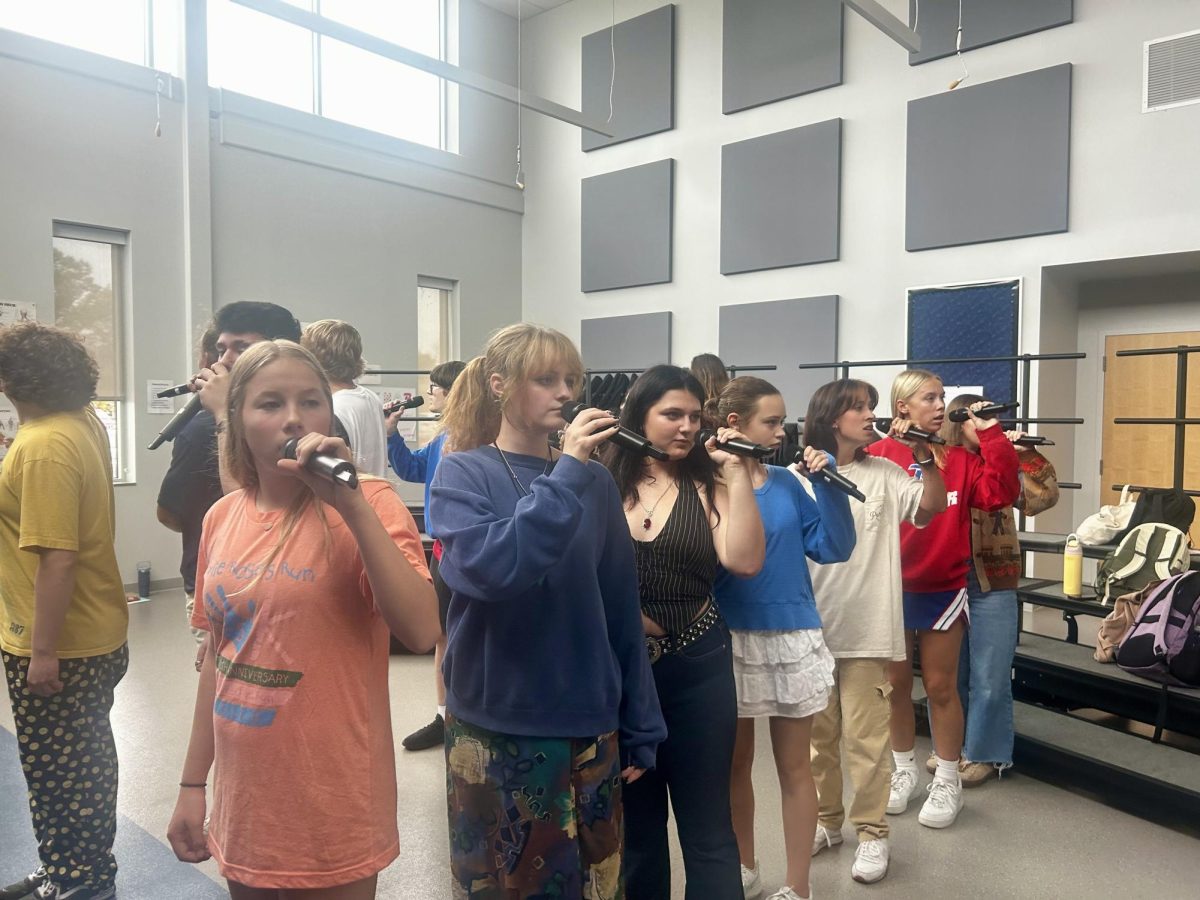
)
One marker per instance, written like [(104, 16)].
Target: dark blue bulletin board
[(968, 321)]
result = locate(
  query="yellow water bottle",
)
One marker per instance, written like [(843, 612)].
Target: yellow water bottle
[(1073, 567)]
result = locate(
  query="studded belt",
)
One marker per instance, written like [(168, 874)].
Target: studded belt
[(657, 647)]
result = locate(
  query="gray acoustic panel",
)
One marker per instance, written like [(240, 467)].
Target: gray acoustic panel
[(643, 92), (783, 333), (780, 199), (626, 227), (775, 49), (989, 162), (626, 342), (984, 22)]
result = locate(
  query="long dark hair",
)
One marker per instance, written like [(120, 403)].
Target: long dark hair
[(827, 405), (627, 469)]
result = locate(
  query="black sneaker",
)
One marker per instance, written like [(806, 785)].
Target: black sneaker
[(432, 735), (25, 887)]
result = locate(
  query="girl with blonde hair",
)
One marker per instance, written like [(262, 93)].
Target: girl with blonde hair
[(301, 581), (934, 562), (550, 706)]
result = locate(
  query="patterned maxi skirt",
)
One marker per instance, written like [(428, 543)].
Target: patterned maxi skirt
[(533, 816)]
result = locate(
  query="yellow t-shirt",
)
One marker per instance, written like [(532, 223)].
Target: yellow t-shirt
[(56, 494)]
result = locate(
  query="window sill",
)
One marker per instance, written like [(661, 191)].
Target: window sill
[(253, 124), (27, 48)]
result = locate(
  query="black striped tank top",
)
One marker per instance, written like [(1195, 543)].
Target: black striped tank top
[(676, 570)]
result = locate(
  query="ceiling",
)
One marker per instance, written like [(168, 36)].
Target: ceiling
[(528, 7)]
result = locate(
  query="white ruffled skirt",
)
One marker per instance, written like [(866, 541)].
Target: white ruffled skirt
[(781, 673)]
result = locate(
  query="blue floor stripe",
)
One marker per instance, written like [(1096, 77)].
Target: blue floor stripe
[(148, 869)]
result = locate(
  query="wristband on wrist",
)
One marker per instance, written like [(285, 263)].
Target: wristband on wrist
[(922, 462), (188, 784)]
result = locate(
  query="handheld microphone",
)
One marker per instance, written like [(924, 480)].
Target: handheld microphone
[(334, 468), (177, 391), (410, 403), (178, 421), (624, 438), (920, 433), (1034, 440), (736, 446), (833, 479), (984, 412)]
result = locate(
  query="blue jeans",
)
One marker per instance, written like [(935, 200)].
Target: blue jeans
[(985, 674), (699, 703)]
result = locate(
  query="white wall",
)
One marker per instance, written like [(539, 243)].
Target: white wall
[(1133, 184), (326, 220)]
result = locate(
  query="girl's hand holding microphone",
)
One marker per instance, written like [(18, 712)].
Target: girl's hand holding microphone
[(589, 429)]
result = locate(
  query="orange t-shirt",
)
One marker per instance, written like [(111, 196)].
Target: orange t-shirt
[(304, 784)]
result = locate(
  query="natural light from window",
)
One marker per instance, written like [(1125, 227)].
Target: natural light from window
[(115, 28), (353, 86)]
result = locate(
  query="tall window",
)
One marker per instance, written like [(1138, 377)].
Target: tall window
[(316, 74), (88, 270), (143, 32), (436, 336)]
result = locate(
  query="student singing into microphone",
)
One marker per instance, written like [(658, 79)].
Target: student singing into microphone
[(686, 515), (781, 666), (421, 465), (299, 582), (551, 710), (935, 560), (862, 619), (985, 660)]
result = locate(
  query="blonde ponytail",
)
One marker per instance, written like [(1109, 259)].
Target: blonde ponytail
[(471, 417)]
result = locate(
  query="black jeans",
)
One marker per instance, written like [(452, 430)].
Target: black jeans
[(699, 703)]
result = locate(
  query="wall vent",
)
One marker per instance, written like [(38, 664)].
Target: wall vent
[(1172, 72)]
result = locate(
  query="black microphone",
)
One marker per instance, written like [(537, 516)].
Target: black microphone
[(1034, 440), (833, 479), (177, 391), (984, 412), (921, 433), (736, 446), (624, 438), (334, 468), (410, 403), (178, 421)]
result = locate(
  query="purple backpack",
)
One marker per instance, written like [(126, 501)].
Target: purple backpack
[(1164, 642)]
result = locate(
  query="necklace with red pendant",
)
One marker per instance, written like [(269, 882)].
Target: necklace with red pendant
[(650, 510)]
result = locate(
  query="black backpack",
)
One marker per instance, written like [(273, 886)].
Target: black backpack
[(1167, 505)]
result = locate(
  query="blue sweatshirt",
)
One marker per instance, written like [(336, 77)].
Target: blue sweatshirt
[(418, 465), (544, 631), (780, 596)]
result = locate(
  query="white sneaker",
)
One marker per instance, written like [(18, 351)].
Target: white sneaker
[(751, 883), (786, 893), (904, 784), (870, 861), (825, 837), (942, 805)]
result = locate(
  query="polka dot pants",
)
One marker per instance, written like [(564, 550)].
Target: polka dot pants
[(70, 764)]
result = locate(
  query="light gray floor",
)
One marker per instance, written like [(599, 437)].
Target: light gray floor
[(1018, 838)]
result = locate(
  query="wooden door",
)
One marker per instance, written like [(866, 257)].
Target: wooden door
[(1144, 386)]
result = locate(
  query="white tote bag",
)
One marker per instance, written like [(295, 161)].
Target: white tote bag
[(1104, 526)]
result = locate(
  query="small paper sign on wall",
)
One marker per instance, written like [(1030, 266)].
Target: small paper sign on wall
[(155, 405)]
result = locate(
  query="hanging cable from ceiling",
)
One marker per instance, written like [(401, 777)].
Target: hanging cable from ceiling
[(519, 178), (612, 47), (958, 50)]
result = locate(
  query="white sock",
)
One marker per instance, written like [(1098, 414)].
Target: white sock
[(905, 760), (947, 770), (442, 711)]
